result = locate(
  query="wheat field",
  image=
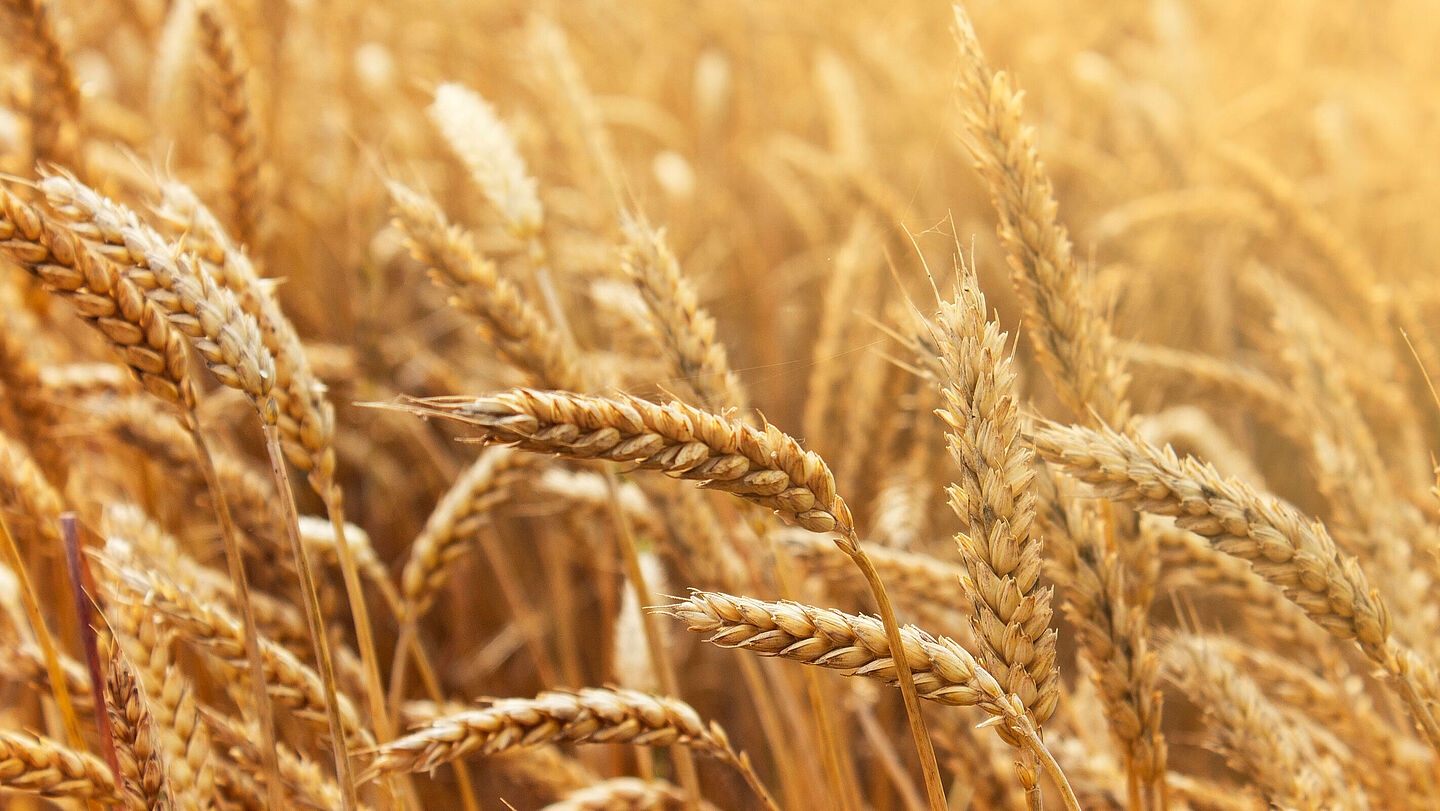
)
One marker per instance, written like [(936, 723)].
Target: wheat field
[(577, 405)]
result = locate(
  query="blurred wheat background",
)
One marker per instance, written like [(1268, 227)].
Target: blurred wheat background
[(577, 405)]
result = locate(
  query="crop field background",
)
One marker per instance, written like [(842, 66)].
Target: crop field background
[(741, 405)]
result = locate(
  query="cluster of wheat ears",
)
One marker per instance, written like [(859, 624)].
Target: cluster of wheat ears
[(704, 397)]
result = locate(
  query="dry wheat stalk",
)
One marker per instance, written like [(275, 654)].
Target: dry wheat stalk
[(249, 495)]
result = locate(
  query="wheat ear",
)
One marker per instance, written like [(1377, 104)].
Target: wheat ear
[(1280, 759), (1110, 629), (141, 758), (686, 331), (190, 769), (1286, 548), (57, 102), (36, 765), (102, 294), (943, 671), (1062, 308), (590, 715), (995, 497), (522, 333), (232, 97), (484, 144)]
